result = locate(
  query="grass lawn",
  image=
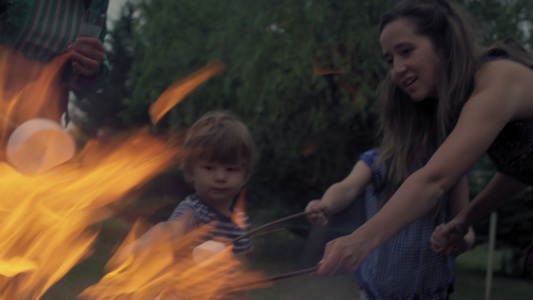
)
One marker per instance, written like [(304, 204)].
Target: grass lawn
[(471, 278), (281, 252)]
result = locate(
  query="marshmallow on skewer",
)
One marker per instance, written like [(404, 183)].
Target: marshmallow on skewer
[(207, 250), (38, 145)]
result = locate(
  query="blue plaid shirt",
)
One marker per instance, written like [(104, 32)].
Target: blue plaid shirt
[(404, 267)]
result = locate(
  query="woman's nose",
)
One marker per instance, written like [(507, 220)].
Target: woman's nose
[(398, 68)]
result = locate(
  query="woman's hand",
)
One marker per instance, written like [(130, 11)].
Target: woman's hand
[(87, 55), (448, 239), (343, 255), (320, 215)]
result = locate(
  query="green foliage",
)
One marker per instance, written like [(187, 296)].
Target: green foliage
[(308, 126), (498, 19), (303, 76)]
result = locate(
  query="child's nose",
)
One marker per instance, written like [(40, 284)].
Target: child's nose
[(220, 174)]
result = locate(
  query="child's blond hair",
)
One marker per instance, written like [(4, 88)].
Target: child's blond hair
[(219, 137)]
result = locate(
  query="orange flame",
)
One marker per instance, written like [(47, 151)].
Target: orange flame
[(167, 271), (240, 204), (287, 22), (29, 89), (46, 220), (49, 221), (177, 91)]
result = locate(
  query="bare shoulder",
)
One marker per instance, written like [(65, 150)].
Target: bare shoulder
[(503, 70), (507, 83), (503, 92)]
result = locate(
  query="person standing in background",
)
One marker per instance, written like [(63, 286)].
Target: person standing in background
[(35, 33)]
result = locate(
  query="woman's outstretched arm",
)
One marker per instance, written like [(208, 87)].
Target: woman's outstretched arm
[(502, 94)]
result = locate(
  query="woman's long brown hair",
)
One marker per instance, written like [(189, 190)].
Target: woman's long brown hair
[(411, 132)]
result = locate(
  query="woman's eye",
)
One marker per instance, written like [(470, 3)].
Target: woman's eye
[(407, 51)]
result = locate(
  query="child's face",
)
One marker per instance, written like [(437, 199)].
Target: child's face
[(217, 183)]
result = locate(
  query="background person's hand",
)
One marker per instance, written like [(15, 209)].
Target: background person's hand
[(87, 54), (448, 239), (319, 217)]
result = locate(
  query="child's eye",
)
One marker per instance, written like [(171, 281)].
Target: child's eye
[(233, 169)]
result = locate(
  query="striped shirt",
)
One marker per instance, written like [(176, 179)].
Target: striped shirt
[(53, 26), (203, 214), (42, 30), (195, 213)]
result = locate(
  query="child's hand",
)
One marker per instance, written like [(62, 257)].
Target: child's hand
[(319, 217), (448, 240)]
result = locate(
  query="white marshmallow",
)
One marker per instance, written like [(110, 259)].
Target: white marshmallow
[(38, 145), (207, 250)]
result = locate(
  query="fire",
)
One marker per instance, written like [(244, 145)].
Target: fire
[(50, 216), (176, 92), (240, 204), (47, 221), (29, 89), (168, 271)]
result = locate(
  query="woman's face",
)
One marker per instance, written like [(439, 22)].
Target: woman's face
[(412, 59)]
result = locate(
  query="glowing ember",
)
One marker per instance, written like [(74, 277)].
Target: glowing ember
[(319, 71), (241, 205)]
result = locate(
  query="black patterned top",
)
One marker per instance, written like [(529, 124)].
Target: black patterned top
[(512, 151)]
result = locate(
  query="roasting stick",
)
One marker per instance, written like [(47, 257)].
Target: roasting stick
[(256, 282), (251, 283), (277, 277), (211, 247), (297, 215)]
